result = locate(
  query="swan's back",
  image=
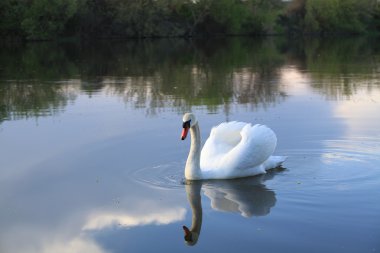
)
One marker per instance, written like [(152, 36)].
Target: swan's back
[(235, 147)]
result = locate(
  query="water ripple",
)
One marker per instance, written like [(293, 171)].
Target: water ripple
[(166, 176), (340, 160), (357, 149), (342, 163)]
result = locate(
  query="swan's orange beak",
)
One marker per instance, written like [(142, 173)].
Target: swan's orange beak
[(185, 130)]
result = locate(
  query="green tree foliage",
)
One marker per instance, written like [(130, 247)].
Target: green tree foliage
[(45, 19), (49, 19), (348, 16), (330, 16), (144, 18), (11, 13)]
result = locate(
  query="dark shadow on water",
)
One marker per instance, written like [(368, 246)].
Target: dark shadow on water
[(246, 196)]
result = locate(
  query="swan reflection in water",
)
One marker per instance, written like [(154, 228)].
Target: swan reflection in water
[(247, 196)]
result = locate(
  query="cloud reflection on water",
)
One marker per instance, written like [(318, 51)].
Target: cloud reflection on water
[(74, 233), (106, 220)]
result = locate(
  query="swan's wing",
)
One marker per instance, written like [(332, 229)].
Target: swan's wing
[(257, 144), (222, 139), (238, 146), (227, 133)]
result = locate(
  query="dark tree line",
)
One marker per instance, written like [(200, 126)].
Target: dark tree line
[(332, 16), (50, 19)]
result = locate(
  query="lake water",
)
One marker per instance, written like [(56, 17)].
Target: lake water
[(91, 158)]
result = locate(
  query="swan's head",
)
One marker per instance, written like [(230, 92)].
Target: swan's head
[(191, 237), (189, 120)]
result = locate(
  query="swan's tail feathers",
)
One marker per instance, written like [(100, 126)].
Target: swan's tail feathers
[(274, 162)]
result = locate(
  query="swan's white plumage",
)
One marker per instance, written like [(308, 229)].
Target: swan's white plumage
[(234, 149)]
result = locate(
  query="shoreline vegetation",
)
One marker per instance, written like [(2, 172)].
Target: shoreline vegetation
[(34, 20)]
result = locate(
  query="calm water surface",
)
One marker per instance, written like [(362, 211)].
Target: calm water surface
[(91, 159)]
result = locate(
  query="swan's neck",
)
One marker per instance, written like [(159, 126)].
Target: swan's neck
[(192, 169)]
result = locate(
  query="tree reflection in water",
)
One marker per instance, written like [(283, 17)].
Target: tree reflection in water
[(40, 79)]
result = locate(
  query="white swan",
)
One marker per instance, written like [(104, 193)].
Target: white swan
[(233, 150)]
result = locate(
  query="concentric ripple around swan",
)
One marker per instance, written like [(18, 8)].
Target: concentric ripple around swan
[(305, 164), (329, 162), (165, 176)]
